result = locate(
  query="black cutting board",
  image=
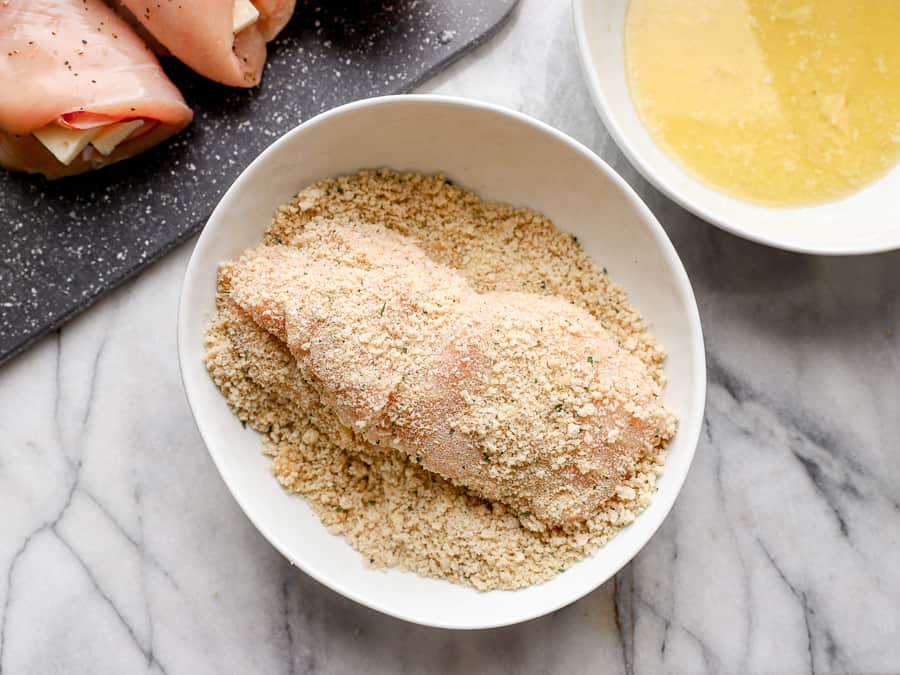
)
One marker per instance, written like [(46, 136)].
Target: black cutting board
[(65, 244)]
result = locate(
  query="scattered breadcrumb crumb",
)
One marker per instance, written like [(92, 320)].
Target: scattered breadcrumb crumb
[(387, 506)]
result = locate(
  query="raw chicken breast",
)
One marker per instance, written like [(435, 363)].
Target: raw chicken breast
[(78, 77), (224, 40), (524, 399), (273, 16)]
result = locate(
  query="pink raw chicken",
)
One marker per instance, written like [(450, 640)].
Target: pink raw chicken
[(201, 34), (75, 64)]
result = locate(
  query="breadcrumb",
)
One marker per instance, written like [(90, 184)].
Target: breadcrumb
[(390, 508)]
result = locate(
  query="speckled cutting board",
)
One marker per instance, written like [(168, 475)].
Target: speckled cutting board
[(65, 244)]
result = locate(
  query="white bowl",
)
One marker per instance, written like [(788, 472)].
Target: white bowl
[(866, 222), (501, 155)]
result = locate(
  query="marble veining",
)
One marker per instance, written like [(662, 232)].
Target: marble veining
[(121, 551)]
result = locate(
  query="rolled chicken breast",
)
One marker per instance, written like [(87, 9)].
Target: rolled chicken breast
[(523, 399), (78, 89), (224, 40)]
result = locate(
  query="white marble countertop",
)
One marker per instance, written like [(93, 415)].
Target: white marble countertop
[(121, 551)]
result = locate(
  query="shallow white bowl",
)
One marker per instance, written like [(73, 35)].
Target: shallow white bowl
[(502, 155), (866, 222)]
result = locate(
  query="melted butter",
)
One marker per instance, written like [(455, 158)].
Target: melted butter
[(776, 101)]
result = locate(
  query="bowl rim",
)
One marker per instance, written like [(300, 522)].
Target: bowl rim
[(691, 426), (646, 169)]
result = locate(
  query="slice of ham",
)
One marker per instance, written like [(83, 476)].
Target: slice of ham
[(77, 64), (201, 34)]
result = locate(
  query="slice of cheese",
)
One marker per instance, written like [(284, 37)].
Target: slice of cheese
[(245, 15), (65, 144), (110, 136)]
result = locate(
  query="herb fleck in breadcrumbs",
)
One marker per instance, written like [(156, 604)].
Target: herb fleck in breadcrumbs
[(392, 510)]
